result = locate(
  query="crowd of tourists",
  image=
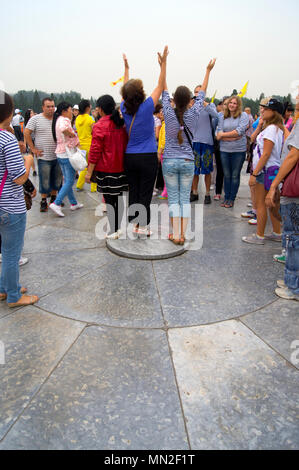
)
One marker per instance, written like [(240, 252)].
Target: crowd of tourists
[(160, 142)]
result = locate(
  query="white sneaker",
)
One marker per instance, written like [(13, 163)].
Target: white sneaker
[(23, 261), (56, 209), (281, 284), (74, 207), (286, 294), (252, 221)]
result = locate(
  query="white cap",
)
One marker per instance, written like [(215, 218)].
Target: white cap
[(75, 106), (17, 111)]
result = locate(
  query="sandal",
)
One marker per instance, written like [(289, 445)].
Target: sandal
[(229, 204), (182, 240), (144, 231), (223, 204), (24, 301), (4, 296)]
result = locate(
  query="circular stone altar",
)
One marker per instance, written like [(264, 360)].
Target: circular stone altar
[(145, 249)]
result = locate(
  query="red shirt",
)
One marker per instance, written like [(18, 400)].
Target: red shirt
[(108, 146)]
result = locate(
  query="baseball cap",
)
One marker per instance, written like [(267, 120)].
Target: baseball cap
[(75, 106), (275, 105), (17, 111)]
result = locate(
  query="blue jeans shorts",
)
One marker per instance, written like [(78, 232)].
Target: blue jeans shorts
[(50, 176)]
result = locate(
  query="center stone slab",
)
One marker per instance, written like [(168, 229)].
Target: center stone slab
[(145, 249)]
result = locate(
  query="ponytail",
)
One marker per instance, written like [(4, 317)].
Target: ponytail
[(55, 117), (117, 119), (180, 115), (182, 99), (107, 104)]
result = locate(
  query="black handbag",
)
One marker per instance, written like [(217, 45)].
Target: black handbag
[(28, 190)]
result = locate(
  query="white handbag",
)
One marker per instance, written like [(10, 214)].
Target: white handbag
[(77, 158)]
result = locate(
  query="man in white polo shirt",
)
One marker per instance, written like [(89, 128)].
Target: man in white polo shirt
[(16, 124), (50, 176)]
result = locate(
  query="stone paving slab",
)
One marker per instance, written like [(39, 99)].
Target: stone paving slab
[(195, 293), (278, 325), (122, 293), (34, 344), (237, 393), (46, 238), (60, 271), (114, 390)]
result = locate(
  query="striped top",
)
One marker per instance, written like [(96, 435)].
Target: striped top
[(42, 128), (172, 147), (12, 197)]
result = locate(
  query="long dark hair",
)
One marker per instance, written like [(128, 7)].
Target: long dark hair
[(107, 104), (182, 99), (27, 117), (64, 106), (133, 95)]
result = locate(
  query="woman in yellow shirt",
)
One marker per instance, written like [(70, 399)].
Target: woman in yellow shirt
[(161, 147), (84, 124)]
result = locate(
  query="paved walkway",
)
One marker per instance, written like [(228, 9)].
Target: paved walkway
[(193, 352)]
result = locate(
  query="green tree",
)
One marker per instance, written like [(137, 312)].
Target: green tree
[(37, 104)]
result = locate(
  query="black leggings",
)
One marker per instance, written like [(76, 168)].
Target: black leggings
[(219, 175), (115, 211), (141, 170)]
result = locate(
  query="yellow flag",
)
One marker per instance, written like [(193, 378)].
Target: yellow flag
[(244, 90), (117, 81), (214, 96)]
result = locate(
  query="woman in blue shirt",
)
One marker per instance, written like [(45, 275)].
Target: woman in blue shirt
[(232, 126), (141, 161), (13, 174)]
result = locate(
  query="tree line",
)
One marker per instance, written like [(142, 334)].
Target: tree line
[(24, 99)]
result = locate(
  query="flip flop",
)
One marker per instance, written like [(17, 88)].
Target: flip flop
[(4, 296), (32, 299)]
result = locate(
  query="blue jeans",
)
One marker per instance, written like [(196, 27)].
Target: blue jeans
[(232, 165), (178, 176), (50, 176), (12, 231), (290, 218), (69, 178)]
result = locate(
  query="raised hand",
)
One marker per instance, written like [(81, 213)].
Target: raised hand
[(211, 64), (163, 57), (125, 61)]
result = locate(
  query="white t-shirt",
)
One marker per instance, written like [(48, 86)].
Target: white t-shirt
[(16, 120), (158, 122), (274, 134)]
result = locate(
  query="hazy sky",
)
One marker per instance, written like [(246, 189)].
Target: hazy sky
[(62, 45)]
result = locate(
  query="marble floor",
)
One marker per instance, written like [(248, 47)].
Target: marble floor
[(192, 352)]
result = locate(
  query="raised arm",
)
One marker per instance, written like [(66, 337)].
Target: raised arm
[(126, 64), (205, 82), (162, 59)]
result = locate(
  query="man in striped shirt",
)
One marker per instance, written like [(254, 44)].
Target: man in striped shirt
[(50, 176)]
